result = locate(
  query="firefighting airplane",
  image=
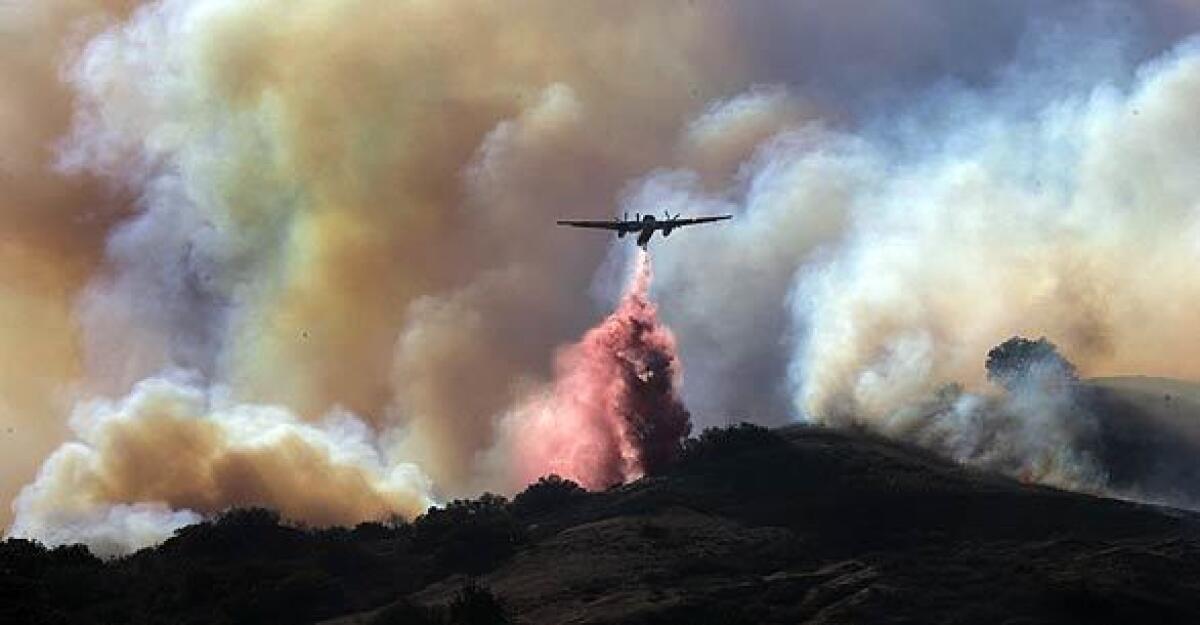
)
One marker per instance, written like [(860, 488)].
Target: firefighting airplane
[(645, 225)]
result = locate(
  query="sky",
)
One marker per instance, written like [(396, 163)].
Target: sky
[(302, 254)]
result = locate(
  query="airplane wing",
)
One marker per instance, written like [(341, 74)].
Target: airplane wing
[(674, 223), (586, 223)]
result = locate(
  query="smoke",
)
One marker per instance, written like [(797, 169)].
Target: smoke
[(53, 230), (1040, 215), (1041, 428), (332, 215), (612, 413), (170, 452), (344, 208), (1053, 202)]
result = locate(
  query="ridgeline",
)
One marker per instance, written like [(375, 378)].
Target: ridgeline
[(797, 525)]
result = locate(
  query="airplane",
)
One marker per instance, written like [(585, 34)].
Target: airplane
[(645, 225)]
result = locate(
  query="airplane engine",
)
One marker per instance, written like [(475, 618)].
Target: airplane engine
[(667, 232), (620, 234)]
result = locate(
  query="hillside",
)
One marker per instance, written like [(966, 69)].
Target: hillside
[(798, 525), (1149, 436)]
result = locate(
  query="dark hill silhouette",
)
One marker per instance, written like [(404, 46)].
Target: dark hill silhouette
[(798, 525), (1150, 436)]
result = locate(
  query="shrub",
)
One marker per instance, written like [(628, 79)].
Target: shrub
[(717, 444), (548, 494), (469, 536), (476, 605), (248, 518), (237, 533), (19, 556)]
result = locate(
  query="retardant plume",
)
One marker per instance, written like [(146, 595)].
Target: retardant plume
[(171, 452), (613, 412)]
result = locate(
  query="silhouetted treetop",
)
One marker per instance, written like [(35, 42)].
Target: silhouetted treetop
[(549, 493), (1019, 360)]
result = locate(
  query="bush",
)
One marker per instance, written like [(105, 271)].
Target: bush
[(19, 556), (374, 530), (237, 532), (717, 444), (437, 523), (548, 494), (248, 518), (476, 605), (473, 605), (469, 536)]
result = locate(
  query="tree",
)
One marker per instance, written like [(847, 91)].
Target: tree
[(1019, 361), (469, 536), (548, 494), (722, 443)]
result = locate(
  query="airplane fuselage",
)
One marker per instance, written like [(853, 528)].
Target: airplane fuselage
[(649, 225)]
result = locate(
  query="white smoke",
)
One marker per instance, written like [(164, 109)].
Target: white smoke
[(913, 246)]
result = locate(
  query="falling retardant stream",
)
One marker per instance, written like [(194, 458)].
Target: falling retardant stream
[(613, 411)]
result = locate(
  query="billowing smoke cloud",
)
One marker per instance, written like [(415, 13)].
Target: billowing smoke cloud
[(333, 215), (612, 413), (1035, 206), (1041, 428), (170, 452), (1040, 221), (344, 208)]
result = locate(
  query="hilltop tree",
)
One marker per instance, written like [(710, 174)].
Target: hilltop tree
[(1019, 361)]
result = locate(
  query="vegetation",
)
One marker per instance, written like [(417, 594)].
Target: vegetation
[(755, 526), (249, 566), (549, 494), (719, 445), (474, 605), (468, 536), (1019, 361)]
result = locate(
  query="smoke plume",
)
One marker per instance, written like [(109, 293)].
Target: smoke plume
[(171, 452), (613, 412)]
